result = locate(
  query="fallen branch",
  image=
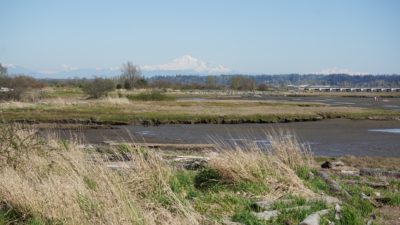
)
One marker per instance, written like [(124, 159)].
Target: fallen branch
[(377, 172), (333, 185), (371, 184)]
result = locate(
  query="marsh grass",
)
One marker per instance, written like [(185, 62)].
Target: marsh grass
[(115, 110)]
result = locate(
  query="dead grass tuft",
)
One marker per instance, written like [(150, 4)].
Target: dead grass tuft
[(274, 166)]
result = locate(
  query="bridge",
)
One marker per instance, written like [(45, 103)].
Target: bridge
[(348, 89)]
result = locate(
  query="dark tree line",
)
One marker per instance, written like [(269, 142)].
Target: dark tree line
[(232, 81)]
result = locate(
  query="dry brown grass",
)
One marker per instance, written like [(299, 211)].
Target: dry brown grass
[(15, 105), (372, 162), (67, 182), (209, 107), (60, 181), (274, 167)]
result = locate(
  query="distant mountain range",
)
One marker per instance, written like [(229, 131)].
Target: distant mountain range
[(186, 64), (90, 72)]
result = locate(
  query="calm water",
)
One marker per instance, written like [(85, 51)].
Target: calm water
[(329, 137)]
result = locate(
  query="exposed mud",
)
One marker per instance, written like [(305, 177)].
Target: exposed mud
[(336, 137)]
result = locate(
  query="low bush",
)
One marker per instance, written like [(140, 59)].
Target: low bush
[(98, 87), (151, 96)]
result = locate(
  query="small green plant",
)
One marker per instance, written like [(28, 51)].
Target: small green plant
[(65, 144), (350, 216), (246, 217), (183, 183), (34, 221), (90, 183), (207, 178), (87, 205), (124, 149), (10, 216)]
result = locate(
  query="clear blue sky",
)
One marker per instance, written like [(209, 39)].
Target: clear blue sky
[(262, 36)]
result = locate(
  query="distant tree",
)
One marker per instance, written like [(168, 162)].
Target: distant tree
[(3, 70), (243, 83), (128, 85), (141, 83), (262, 87), (98, 87), (131, 74), (211, 81), (3, 75)]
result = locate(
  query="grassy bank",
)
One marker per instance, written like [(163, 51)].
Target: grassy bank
[(53, 181), (124, 111)]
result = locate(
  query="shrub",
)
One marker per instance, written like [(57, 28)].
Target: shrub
[(207, 178), (98, 87), (262, 87), (19, 87)]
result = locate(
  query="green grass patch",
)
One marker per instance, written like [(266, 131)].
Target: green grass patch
[(315, 183), (90, 183), (9, 216), (151, 96)]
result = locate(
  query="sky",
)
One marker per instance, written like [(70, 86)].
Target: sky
[(214, 36)]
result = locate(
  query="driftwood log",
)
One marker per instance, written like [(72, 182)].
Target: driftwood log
[(333, 185), (379, 172), (369, 183)]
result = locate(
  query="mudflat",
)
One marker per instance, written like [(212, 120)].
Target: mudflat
[(334, 137)]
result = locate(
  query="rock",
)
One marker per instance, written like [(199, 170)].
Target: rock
[(338, 210), (310, 175), (264, 205), (267, 215), (191, 162), (267, 204), (314, 218), (227, 221), (364, 196), (329, 200), (326, 165)]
